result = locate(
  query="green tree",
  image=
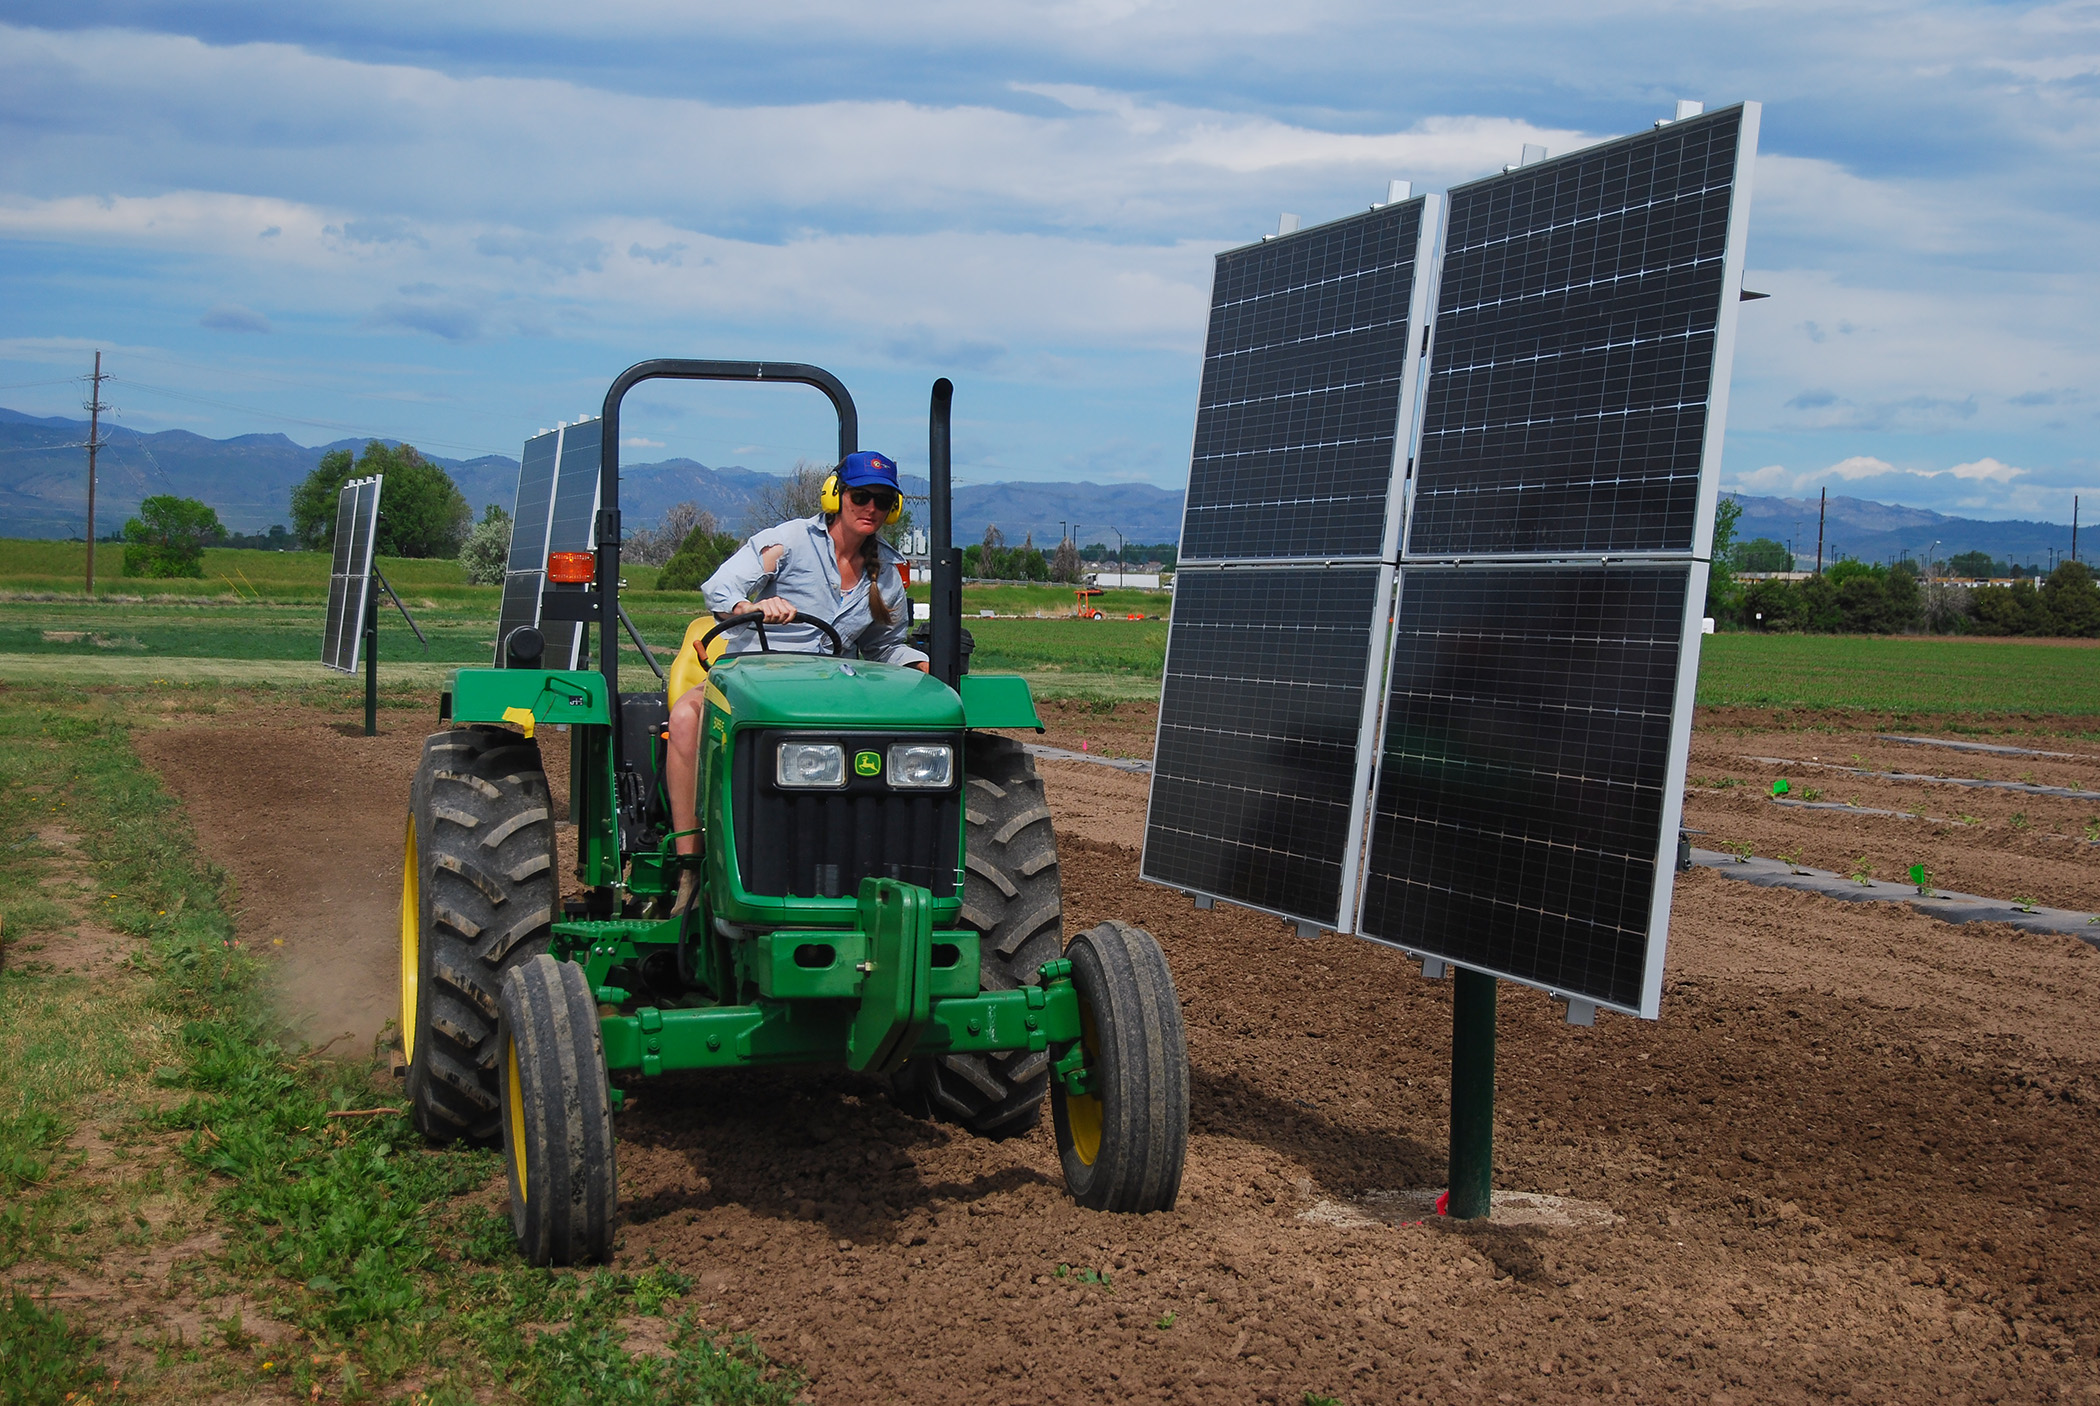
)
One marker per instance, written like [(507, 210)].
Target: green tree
[(167, 538), (1723, 599), (1816, 607), (1906, 607), (421, 511), (2018, 609), (1974, 566), (2073, 600), (1762, 554), (486, 551), (697, 558)]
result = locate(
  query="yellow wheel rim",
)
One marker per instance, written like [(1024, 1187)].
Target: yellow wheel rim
[(1083, 1111), (411, 943), (515, 1106)]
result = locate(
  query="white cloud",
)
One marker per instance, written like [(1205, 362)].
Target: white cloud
[(1989, 470)]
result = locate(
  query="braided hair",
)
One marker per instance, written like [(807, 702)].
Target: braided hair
[(871, 568)]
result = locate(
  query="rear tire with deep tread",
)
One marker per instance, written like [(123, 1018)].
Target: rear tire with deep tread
[(1123, 1145), (487, 892), (1014, 901), (557, 1123)]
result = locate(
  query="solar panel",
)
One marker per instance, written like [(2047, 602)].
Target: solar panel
[(1260, 760), (1529, 782), (1584, 330), (557, 507), (350, 572), (571, 528), (1307, 388)]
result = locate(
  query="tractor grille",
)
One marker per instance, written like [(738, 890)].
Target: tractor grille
[(821, 844)]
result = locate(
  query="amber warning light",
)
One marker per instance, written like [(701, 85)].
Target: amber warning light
[(571, 568)]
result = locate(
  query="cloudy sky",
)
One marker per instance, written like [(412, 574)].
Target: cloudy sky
[(454, 223)]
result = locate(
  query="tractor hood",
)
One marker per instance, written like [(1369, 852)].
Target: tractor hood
[(813, 691)]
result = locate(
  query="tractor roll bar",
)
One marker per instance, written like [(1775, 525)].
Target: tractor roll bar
[(944, 591), (677, 369)]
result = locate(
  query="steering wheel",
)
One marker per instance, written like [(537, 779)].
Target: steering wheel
[(755, 617)]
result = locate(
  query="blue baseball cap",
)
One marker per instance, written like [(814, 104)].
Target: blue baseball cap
[(866, 467)]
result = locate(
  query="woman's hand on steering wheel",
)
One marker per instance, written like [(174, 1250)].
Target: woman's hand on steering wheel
[(761, 616)]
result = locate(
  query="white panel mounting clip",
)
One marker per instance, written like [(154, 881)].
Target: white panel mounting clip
[(1434, 968), (1581, 1012)]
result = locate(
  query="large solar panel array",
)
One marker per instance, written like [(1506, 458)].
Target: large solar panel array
[(1530, 707), (350, 572), (1263, 756), (1575, 401), (557, 511)]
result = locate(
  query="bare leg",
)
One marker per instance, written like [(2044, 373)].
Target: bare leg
[(682, 767)]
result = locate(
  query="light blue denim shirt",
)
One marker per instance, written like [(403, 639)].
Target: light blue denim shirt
[(808, 579)]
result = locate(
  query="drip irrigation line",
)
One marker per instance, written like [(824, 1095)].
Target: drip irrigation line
[(2024, 787), (1974, 746), (1943, 904), (1062, 754)]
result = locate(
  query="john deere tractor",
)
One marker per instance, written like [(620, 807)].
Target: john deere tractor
[(877, 887)]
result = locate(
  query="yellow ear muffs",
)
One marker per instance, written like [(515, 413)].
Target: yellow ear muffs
[(832, 494)]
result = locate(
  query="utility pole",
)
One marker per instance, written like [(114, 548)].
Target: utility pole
[(1822, 506), (94, 407), (2074, 527)]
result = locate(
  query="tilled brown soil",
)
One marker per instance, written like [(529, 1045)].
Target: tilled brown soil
[(1852, 1159)]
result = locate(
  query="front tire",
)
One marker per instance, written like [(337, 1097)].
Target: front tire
[(1123, 1143), (1014, 901), (557, 1115), (479, 892)]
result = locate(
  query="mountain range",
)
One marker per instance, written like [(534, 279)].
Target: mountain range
[(249, 480)]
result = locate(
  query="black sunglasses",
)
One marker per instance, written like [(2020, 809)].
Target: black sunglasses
[(880, 497)]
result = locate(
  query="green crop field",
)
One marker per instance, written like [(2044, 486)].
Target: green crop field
[(1901, 674), (256, 619)]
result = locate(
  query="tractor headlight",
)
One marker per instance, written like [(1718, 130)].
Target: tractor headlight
[(811, 764), (922, 765)]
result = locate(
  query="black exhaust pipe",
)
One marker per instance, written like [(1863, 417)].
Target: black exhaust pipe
[(944, 613)]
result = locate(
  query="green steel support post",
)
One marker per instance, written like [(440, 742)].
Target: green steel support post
[(371, 660), (1472, 1095)]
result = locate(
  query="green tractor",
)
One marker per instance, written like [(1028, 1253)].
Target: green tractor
[(877, 886)]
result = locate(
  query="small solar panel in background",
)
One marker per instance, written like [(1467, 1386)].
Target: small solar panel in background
[(572, 527), (350, 572), (526, 571), (1255, 770), (1583, 330)]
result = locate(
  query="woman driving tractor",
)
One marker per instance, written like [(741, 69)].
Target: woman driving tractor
[(831, 567)]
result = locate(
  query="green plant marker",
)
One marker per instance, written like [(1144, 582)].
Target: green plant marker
[(1780, 787)]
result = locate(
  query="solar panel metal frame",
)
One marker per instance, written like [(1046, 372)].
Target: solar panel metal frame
[(1696, 557), (1748, 115), (350, 572), (1421, 306), (1670, 816), (533, 531), (1425, 275)]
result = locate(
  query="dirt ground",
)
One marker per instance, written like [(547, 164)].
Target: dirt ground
[(1853, 1159)]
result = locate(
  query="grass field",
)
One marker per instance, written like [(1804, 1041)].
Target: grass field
[(256, 619), (391, 1278), (1901, 674)]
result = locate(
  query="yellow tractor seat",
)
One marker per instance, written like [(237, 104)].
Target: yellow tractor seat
[(686, 670)]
